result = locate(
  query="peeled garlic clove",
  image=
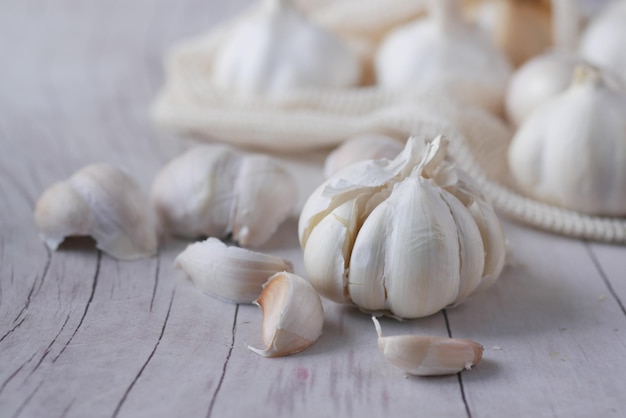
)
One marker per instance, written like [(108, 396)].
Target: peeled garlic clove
[(359, 148), (103, 202), (570, 151), (214, 190), (604, 41), (279, 50), (422, 355), (444, 51), (293, 316), (230, 273)]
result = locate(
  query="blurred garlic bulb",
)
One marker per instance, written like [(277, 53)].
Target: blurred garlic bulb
[(406, 237), (279, 50), (293, 316), (572, 150), (520, 28), (214, 190), (548, 74), (103, 202), (604, 41), (231, 273), (359, 148), (444, 50), (423, 355)]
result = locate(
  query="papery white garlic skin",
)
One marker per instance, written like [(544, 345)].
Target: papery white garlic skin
[(571, 151), (405, 237), (233, 274), (214, 190), (442, 49), (279, 50), (103, 202), (293, 316), (359, 148), (604, 41), (423, 355)]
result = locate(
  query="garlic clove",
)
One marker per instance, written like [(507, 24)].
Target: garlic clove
[(215, 190), (266, 193), (293, 315), (233, 274), (422, 355), (359, 148), (103, 202), (279, 50)]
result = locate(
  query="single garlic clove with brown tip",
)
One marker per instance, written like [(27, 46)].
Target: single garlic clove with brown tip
[(229, 273), (293, 315), (360, 148), (103, 202), (423, 355)]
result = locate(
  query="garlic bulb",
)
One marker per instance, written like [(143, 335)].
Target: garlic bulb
[(279, 50), (359, 148), (293, 316), (231, 273), (423, 355), (406, 237), (214, 190), (103, 202), (604, 41), (520, 28), (572, 150), (443, 50), (549, 74)]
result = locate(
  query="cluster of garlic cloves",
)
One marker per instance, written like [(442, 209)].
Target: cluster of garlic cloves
[(406, 237), (103, 202), (422, 355), (233, 274), (293, 316), (279, 50), (215, 190), (571, 151)]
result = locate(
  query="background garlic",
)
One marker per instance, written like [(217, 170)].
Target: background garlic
[(293, 316), (231, 273), (604, 41), (572, 150), (407, 237), (214, 190), (423, 355), (359, 148), (279, 50), (103, 202), (443, 50)]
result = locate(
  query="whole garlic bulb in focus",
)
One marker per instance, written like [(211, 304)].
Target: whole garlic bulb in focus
[(279, 50), (359, 148), (446, 51), (214, 190), (406, 237), (571, 151), (604, 41)]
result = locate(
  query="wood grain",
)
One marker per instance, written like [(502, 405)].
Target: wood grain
[(82, 334)]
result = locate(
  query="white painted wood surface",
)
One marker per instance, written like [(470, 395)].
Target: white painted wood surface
[(82, 334)]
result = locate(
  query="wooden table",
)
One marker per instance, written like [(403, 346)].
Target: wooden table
[(82, 334)]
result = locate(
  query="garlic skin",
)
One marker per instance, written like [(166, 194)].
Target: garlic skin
[(279, 50), (571, 151), (604, 41), (359, 148), (405, 237), (103, 202), (443, 50), (214, 190), (422, 355), (233, 274), (293, 316)]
